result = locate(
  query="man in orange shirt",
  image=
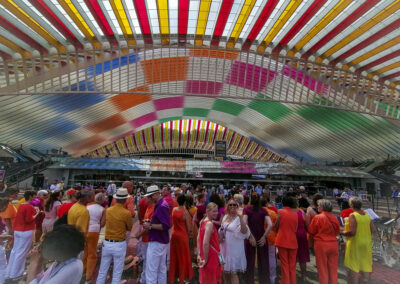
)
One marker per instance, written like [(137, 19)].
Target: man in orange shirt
[(11, 211)]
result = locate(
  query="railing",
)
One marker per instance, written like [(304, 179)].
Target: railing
[(14, 177)]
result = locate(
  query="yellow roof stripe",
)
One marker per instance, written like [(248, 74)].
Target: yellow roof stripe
[(123, 21), (339, 7), (376, 50), (385, 69), (163, 18), (148, 139), (14, 46), (244, 14), (286, 14), (184, 133), (365, 27), (204, 11), (79, 21), (23, 16)]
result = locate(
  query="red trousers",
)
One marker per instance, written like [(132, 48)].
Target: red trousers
[(288, 265), (327, 257)]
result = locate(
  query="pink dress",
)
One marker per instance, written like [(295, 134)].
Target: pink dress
[(50, 217), (211, 272), (303, 252)]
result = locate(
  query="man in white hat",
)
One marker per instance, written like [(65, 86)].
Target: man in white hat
[(118, 222), (158, 227)]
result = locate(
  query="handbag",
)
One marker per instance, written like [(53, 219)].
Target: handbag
[(221, 257), (222, 232), (221, 235)]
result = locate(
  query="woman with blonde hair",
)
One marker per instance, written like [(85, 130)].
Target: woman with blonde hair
[(232, 233), (358, 257), (208, 245)]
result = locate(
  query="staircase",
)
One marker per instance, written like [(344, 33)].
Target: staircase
[(24, 170)]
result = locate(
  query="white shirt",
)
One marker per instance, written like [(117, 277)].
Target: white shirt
[(95, 212), (111, 189), (68, 272), (54, 187)]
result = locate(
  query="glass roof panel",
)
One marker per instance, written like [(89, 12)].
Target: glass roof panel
[(40, 19), (173, 16), (355, 25), (194, 7), (153, 16), (325, 9), (88, 17), (66, 19)]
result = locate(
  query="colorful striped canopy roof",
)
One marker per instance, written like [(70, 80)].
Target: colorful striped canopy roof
[(306, 80), (188, 134)]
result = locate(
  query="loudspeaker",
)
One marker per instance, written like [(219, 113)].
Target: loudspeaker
[(386, 189), (371, 188), (37, 180)]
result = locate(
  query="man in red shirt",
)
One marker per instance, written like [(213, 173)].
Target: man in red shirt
[(24, 229)]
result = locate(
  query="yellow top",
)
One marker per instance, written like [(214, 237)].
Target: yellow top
[(359, 247), (79, 216), (118, 222)]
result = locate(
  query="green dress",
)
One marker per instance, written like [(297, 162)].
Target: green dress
[(359, 247)]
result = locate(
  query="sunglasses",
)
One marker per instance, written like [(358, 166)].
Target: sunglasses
[(232, 205)]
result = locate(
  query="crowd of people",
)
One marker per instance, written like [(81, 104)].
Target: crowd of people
[(179, 234)]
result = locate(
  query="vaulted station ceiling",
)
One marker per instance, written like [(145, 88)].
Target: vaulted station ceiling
[(314, 80)]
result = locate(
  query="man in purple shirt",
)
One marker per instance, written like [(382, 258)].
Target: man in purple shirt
[(156, 269)]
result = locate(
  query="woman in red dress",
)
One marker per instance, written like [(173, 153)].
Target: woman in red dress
[(180, 261), (208, 244)]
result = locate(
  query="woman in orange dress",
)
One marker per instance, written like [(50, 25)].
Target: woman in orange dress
[(286, 240), (208, 244), (180, 261)]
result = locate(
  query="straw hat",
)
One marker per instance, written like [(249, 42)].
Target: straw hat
[(122, 193)]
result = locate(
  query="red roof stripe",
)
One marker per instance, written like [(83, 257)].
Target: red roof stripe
[(311, 11), (183, 15), (52, 18), (189, 132), (141, 13), (101, 20), (221, 21), (262, 19), (391, 76)]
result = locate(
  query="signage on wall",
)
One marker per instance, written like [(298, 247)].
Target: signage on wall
[(220, 148)]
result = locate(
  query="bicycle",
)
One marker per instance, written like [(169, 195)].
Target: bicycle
[(383, 248)]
